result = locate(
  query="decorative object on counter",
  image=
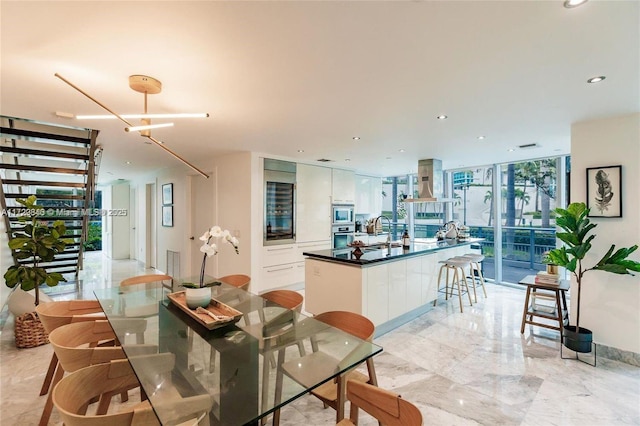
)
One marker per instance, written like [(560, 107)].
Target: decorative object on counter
[(604, 191), (575, 223), (463, 233), (35, 243), (197, 298), (357, 253), (405, 239)]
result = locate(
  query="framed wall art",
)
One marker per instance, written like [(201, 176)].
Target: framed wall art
[(167, 216), (167, 194), (604, 191)]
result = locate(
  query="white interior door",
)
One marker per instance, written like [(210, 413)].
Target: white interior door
[(203, 217)]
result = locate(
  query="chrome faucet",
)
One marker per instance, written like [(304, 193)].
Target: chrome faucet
[(375, 226)]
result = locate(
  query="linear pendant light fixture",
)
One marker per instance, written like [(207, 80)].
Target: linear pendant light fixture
[(176, 115), (146, 85)]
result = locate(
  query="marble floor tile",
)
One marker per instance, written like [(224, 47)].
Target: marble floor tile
[(471, 368)]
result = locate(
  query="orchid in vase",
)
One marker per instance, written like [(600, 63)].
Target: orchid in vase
[(210, 248)]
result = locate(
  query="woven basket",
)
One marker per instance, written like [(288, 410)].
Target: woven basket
[(29, 331)]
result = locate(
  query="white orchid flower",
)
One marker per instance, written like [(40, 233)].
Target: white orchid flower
[(205, 237), (216, 231), (209, 250)]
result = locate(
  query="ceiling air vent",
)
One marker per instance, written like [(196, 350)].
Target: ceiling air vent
[(528, 145), (324, 160)]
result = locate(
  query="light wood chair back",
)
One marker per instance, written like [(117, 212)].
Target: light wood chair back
[(74, 393), (349, 322), (387, 407), (58, 313), (145, 279), (287, 298), (237, 280), (78, 345)]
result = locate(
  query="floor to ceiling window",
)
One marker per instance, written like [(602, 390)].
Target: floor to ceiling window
[(510, 206)]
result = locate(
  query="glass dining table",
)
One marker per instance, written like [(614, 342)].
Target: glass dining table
[(228, 375)]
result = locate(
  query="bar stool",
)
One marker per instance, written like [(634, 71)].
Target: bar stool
[(457, 266), (474, 268)]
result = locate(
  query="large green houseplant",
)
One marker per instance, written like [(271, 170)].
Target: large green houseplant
[(35, 242), (577, 227)]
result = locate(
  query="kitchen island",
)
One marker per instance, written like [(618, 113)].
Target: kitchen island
[(390, 286)]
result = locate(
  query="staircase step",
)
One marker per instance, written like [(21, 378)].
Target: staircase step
[(44, 153), (43, 183), (43, 169), (29, 134), (67, 271), (47, 196)]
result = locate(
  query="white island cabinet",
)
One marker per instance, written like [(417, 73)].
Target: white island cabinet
[(389, 288)]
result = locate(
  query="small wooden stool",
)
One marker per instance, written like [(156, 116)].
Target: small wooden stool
[(457, 265), (476, 271)]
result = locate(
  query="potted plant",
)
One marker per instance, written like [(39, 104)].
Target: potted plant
[(35, 242), (199, 294), (577, 227)]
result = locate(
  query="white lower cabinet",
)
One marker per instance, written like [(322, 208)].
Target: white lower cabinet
[(283, 265), (414, 284), (397, 285), (377, 299), (278, 276)]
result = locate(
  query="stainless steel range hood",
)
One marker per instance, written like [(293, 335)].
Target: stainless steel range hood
[(430, 183)]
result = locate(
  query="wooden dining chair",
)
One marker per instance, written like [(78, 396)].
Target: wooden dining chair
[(145, 279), (58, 313), (144, 310), (330, 393), (78, 345), (74, 394), (237, 280), (387, 407)]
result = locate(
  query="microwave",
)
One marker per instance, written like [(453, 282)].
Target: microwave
[(342, 214)]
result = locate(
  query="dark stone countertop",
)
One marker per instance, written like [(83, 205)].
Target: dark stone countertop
[(371, 256)]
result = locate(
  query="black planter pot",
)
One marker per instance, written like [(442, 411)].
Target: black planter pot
[(578, 341)]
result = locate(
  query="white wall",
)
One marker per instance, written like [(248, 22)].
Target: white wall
[(610, 304)]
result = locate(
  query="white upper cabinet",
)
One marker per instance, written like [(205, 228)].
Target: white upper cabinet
[(368, 195), (313, 204), (344, 186)]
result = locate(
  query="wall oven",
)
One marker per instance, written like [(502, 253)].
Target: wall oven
[(342, 235), (343, 214)]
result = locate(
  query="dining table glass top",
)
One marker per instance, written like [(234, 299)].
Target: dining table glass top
[(226, 374)]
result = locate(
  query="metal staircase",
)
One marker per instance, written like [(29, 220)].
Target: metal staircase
[(57, 164)]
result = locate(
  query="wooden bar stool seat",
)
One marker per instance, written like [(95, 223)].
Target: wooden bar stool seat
[(457, 266)]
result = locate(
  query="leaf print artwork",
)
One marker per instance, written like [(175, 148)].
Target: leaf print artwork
[(604, 192)]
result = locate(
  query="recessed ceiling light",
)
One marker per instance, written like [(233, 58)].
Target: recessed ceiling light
[(401, 150), (301, 150), (481, 138), (128, 162), (347, 159), (573, 3), (511, 150), (388, 158), (356, 138), (442, 117), (597, 79)]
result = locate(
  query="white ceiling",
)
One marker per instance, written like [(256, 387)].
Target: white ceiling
[(278, 77)]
